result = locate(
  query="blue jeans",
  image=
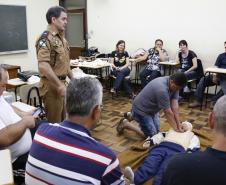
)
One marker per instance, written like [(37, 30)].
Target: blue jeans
[(206, 82), (149, 124), (203, 83), (121, 81), (148, 75), (190, 75), (223, 84)]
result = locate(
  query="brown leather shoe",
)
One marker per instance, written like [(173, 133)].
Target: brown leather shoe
[(194, 104)]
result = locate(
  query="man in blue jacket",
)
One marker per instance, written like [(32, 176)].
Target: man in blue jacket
[(202, 168), (157, 160)]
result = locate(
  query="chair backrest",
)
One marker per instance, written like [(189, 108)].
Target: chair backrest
[(33, 93), (29, 94), (199, 69)]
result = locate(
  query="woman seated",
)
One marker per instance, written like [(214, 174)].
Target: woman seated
[(188, 61), (120, 68), (153, 57)]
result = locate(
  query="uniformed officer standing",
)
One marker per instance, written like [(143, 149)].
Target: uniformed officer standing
[(54, 63)]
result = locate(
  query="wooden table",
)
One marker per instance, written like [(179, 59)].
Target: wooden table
[(93, 67), (208, 72), (15, 83), (170, 64), (23, 106), (12, 70), (215, 70)]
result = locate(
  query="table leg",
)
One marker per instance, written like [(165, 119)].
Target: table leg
[(206, 74), (170, 68), (207, 92), (137, 73), (15, 91)]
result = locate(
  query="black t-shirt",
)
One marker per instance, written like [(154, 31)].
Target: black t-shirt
[(119, 58), (186, 63), (200, 168)]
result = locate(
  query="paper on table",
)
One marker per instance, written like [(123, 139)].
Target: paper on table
[(171, 61), (16, 81), (24, 107), (78, 73)]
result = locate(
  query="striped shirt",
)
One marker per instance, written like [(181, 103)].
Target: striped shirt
[(67, 154)]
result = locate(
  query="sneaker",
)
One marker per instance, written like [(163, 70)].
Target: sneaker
[(113, 91), (194, 104), (148, 142), (132, 96), (128, 116), (186, 89)]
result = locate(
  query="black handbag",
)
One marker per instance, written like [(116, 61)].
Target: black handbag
[(25, 75)]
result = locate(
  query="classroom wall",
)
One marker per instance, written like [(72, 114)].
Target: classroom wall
[(36, 24), (140, 22)]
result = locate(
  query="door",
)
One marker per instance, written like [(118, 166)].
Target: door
[(76, 31)]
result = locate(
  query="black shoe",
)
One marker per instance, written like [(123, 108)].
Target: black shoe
[(128, 116)]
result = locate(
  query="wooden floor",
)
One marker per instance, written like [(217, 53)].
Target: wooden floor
[(106, 133)]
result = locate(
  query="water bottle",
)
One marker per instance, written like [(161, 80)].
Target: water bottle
[(167, 58)]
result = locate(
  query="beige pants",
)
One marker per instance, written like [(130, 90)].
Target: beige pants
[(54, 106)]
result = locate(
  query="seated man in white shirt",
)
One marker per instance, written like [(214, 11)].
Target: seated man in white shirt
[(14, 129)]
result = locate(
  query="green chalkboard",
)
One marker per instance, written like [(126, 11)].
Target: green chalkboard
[(13, 31)]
